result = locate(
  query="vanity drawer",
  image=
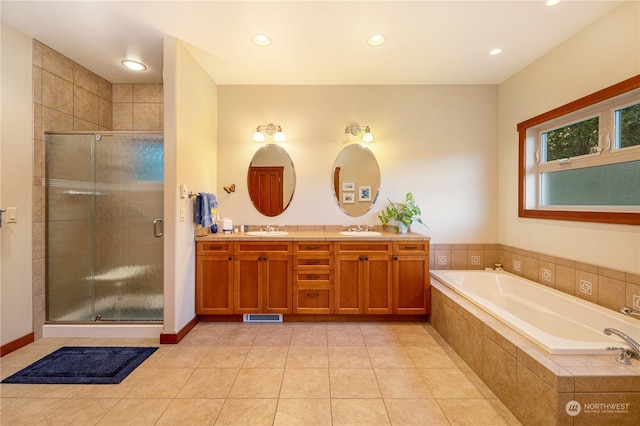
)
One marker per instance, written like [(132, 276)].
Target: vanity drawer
[(314, 277), (304, 261), (214, 247), (313, 299), (411, 247), (363, 247), (313, 247), (249, 247)]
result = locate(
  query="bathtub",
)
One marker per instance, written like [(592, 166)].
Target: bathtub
[(556, 322)]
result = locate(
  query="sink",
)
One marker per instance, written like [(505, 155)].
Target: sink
[(267, 234), (361, 233)]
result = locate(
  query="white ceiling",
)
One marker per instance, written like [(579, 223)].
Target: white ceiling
[(314, 42)]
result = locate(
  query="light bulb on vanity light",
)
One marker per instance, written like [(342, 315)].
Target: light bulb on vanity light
[(258, 136), (279, 136)]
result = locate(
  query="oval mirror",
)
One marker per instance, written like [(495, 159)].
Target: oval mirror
[(356, 180), (271, 180)]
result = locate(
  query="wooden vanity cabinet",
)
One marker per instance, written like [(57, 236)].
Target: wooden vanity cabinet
[(262, 277), (313, 290), (214, 277), (411, 292), (363, 277)]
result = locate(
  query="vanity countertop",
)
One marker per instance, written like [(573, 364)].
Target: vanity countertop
[(313, 236)]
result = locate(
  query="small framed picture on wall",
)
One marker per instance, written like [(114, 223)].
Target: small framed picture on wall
[(348, 198), (348, 186), (364, 193)]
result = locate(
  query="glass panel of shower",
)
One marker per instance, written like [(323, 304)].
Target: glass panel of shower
[(104, 212)]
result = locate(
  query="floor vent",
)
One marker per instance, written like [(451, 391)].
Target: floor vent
[(262, 318)]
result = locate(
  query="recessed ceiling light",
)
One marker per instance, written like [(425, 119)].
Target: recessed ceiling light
[(376, 40), (133, 65), (496, 51), (261, 40), (552, 2)]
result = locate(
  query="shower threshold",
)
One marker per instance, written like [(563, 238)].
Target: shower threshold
[(104, 329)]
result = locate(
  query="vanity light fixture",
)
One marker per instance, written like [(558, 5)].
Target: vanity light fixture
[(271, 130), (356, 129), (133, 65)]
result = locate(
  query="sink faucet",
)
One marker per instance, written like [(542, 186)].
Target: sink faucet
[(628, 311), (356, 228), (625, 353)]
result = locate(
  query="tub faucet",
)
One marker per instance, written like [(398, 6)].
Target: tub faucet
[(628, 311), (625, 353)]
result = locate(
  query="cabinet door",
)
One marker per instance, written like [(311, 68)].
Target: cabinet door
[(277, 279), (214, 284), (377, 284), (349, 285), (247, 284), (411, 285)]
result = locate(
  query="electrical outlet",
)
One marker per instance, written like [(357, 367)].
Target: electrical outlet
[(183, 214)]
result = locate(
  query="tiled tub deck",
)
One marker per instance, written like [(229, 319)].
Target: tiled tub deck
[(537, 387)]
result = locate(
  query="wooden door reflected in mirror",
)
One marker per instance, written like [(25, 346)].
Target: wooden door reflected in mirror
[(271, 180)]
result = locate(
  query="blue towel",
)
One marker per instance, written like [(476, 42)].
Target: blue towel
[(208, 202), (198, 209)]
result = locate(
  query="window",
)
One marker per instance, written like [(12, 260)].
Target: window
[(582, 161)]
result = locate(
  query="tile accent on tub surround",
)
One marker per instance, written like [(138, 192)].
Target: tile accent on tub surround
[(534, 385), (610, 288)]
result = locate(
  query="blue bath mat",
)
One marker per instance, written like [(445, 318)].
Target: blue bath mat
[(83, 365)]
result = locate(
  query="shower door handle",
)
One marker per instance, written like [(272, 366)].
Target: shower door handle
[(158, 228)]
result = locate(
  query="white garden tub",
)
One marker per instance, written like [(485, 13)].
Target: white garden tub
[(557, 322)]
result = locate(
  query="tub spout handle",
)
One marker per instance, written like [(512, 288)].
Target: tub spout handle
[(625, 354)]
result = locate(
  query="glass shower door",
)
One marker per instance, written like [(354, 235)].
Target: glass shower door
[(129, 250), (104, 211)]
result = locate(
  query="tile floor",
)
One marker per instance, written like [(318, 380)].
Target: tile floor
[(268, 374)]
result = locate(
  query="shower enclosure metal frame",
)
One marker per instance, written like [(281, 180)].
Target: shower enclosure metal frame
[(104, 210)]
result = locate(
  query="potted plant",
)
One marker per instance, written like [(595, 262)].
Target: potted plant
[(403, 214)]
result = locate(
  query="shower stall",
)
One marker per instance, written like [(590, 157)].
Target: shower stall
[(104, 209)]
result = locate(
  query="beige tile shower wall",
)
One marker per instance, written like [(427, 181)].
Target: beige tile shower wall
[(66, 97), (138, 107), (606, 287)]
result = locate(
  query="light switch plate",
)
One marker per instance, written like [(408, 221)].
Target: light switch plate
[(12, 214)]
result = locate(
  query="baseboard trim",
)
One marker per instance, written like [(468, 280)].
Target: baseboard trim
[(16, 344), (324, 318), (175, 338)]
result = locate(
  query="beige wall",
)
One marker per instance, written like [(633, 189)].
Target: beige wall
[(190, 157), (439, 142), (603, 54), (16, 157)]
